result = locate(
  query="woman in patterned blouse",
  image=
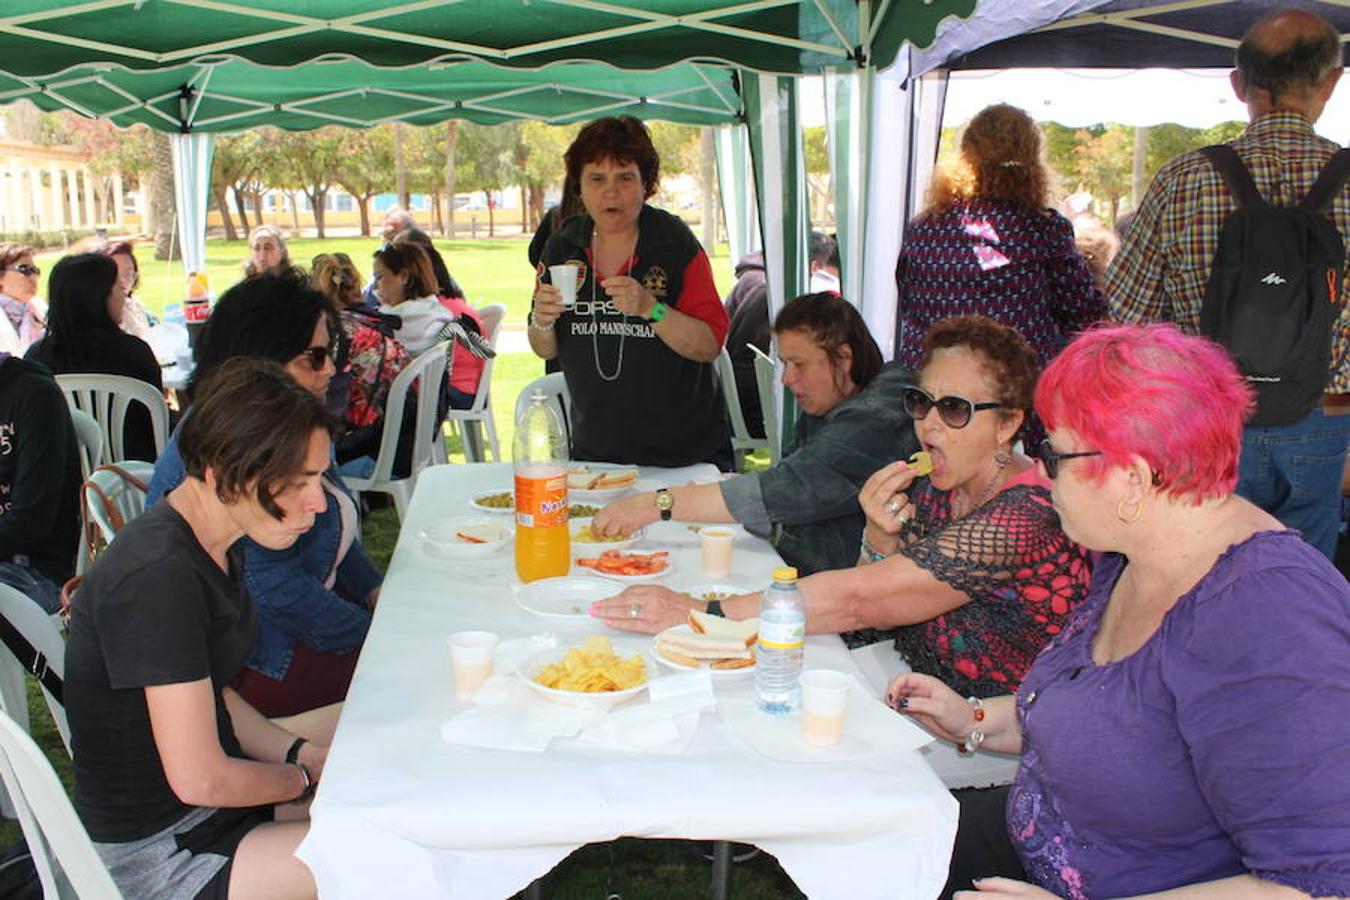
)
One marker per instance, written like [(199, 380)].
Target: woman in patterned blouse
[(988, 245), (969, 563)]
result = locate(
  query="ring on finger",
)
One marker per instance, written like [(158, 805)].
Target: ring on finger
[(893, 508), (634, 610)]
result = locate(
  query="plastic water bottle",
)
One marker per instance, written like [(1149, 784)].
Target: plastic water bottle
[(782, 634), (540, 456)]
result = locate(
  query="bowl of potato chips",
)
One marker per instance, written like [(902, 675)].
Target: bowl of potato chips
[(591, 675)]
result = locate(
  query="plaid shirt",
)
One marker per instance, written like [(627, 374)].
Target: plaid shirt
[(1163, 267)]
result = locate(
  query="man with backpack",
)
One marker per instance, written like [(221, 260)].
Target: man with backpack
[(1207, 231)]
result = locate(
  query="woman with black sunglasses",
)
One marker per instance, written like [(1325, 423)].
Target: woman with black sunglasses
[(315, 597), (24, 319)]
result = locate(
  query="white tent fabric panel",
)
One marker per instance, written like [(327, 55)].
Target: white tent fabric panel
[(191, 188), (736, 184)]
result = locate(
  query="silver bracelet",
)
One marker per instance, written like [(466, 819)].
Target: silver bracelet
[(872, 553), (543, 329)]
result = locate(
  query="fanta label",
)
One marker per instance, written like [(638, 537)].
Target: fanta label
[(541, 497)]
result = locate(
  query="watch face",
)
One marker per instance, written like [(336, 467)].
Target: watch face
[(664, 500)]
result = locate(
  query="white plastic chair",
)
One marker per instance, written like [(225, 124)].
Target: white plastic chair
[(742, 442), (110, 501), (90, 436), (107, 398), (766, 380), (554, 386), (67, 863), (40, 630), (426, 372), (480, 414)]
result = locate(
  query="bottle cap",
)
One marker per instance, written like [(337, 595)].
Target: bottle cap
[(785, 573)]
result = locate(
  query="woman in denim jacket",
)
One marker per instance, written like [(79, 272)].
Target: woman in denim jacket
[(315, 598)]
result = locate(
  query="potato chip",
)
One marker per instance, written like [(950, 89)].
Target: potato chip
[(593, 668)]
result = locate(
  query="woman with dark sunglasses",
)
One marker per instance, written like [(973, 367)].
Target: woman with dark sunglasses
[(968, 564), (24, 320), (1188, 733), (315, 597)]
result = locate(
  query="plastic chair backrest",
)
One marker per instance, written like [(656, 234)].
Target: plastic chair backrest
[(741, 439), (491, 319), (40, 630), (766, 379), (554, 386), (106, 398), (426, 372), (90, 436), (67, 863), (110, 499)]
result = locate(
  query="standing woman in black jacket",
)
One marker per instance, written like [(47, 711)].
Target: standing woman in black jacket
[(86, 300)]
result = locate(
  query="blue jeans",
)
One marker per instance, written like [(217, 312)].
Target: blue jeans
[(1293, 472), (32, 584)]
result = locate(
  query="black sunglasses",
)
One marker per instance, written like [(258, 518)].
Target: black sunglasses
[(1050, 459), (317, 356), (954, 411), (26, 269)]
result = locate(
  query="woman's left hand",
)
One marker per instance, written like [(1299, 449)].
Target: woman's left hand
[(985, 888), (645, 608), (629, 296)]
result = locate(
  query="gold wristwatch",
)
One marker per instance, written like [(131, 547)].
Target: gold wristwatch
[(665, 502)]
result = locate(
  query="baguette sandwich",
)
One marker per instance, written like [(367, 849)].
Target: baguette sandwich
[(586, 480)]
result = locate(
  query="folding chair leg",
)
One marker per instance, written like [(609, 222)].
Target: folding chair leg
[(492, 436), (473, 440)]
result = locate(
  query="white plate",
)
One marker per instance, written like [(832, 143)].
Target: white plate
[(723, 590), (476, 503), (564, 597), (594, 548), (583, 699), (633, 579), (601, 496), (716, 673), (440, 540)]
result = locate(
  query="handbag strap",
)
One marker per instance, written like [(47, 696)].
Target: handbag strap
[(31, 658)]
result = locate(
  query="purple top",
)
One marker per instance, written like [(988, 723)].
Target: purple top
[(988, 258), (1220, 747)]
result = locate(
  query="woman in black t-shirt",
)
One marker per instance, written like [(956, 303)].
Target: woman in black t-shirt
[(185, 788)]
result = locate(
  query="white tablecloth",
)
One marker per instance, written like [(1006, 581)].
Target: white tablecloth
[(402, 813)]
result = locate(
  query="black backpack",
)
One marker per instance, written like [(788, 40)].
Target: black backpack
[(1274, 288)]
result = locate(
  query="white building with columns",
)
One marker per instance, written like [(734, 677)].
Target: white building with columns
[(50, 188)]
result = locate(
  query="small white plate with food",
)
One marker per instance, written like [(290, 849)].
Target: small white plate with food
[(586, 543), (598, 484), (629, 566), (468, 538), (567, 597), (722, 646), (500, 502)]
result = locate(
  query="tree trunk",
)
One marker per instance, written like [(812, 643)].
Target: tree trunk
[(318, 198), (708, 187), (223, 204), (451, 142), (161, 176), (536, 206), (1138, 173), (363, 204), (436, 223), (492, 209), (239, 207), (524, 209), (400, 168), (293, 197)]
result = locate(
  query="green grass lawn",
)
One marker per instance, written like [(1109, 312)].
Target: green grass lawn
[(491, 271)]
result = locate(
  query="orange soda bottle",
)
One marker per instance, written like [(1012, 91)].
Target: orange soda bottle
[(540, 456)]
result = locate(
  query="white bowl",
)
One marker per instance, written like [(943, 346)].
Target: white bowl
[(580, 547), (441, 538), (710, 590), (583, 699)]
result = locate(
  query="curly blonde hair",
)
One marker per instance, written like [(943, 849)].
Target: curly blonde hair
[(1002, 158)]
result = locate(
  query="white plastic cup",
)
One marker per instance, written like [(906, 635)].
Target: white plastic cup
[(715, 544), (564, 278), (471, 654), (824, 701)]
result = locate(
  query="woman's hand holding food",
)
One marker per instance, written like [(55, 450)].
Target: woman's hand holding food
[(548, 305), (629, 296), (886, 505), (625, 515), (645, 608), (937, 707)]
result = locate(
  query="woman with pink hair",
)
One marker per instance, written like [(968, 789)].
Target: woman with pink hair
[(1188, 733)]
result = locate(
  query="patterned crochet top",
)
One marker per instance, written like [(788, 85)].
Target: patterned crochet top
[(1023, 574)]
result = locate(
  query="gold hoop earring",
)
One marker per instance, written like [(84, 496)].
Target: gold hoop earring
[(1003, 456), (1128, 520)]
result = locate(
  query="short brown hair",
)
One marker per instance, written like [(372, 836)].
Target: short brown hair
[(623, 139), (12, 253), (410, 259), (832, 322), (250, 425), (1007, 357)]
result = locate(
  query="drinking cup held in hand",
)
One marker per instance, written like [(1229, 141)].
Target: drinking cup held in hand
[(824, 699), (564, 278), (716, 544), (471, 654)]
